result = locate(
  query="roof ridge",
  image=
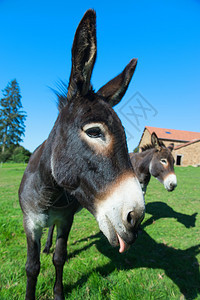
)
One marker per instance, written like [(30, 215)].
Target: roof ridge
[(172, 129), (186, 144), (173, 134)]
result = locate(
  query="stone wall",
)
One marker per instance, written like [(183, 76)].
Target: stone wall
[(190, 154), (146, 139), (176, 143)]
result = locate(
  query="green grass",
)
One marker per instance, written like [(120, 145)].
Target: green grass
[(162, 264)]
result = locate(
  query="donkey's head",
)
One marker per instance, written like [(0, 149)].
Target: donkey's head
[(89, 154), (162, 163)]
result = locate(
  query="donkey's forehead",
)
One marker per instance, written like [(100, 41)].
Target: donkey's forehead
[(164, 153), (92, 108)]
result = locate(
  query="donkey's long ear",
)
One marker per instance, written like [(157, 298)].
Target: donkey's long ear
[(115, 89), (155, 141), (83, 54), (171, 146)]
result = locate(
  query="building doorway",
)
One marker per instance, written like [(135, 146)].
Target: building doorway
[(179, 160)]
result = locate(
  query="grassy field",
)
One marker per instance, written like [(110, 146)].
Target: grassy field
[(162, 264)]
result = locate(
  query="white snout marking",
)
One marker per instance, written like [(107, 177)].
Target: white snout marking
[(112, 210), (170, 182)]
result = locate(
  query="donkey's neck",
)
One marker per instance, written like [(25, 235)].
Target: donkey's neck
[(47, 189), (144, 163), (141, 166)]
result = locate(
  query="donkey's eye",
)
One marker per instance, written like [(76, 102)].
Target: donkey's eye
[(97, 136), (163, 161), (94, 132)]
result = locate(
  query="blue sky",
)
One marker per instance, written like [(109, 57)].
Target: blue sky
[(35, 48)]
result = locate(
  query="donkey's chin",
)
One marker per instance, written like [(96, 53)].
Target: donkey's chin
[(170, 189), (115, 240), (122, 239)]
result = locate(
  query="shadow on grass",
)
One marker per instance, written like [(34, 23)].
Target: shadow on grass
[(181, 266), (160, 210)]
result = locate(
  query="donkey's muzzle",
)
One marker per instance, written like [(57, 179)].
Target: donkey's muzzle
[(171, 187), (170, 182), (121, 211)]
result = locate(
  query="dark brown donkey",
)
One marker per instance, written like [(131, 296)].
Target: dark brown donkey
[(155, 159), (83, 162)]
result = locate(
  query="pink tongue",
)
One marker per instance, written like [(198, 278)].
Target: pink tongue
[(123, 246)]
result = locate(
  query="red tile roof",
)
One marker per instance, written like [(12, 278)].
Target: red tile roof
[(173, 134)]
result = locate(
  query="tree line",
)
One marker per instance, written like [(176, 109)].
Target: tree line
[(12, 125)]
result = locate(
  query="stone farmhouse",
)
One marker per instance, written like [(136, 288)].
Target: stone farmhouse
[(186, 144)]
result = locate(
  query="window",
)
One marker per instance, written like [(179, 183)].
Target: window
[(178, 160)]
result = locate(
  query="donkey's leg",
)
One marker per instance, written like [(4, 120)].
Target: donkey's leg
[(49, 240), (60, 255), (33, 262)]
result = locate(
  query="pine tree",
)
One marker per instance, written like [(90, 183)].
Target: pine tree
[(12, 117)]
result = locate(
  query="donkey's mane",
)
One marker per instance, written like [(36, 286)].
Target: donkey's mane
[(151, 146), (63, 94)]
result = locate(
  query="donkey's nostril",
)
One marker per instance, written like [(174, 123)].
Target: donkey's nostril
[(134, 220), (172, 186), (131, 218)]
